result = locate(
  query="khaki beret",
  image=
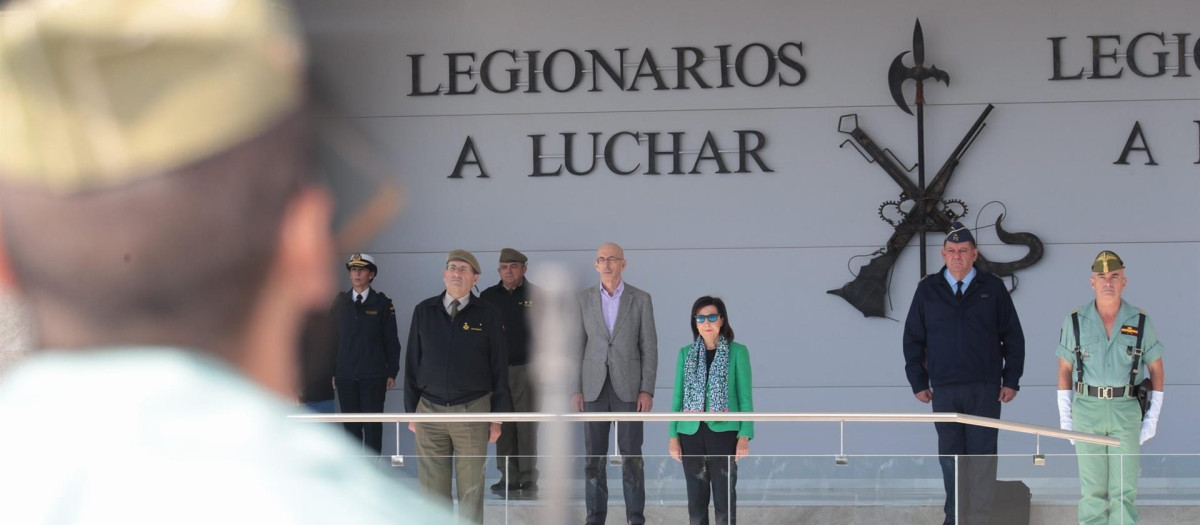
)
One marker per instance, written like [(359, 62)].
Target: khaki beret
[(97, 93), (464, 256), (509, 255)]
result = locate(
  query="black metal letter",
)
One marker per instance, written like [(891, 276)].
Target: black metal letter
[(1131, 56), (1097, 55), (452, 59), (713, 153), (416, 79), (576, 73), (1055, 42), (792, 63), (537, 159), (740, 65), (569, 154), (743, 151), (485, 72), (1181, 44), (532, 75), (684, 66), (647, 68), (676, 153), (723, 53), (468, 156), (1136, 134), (616, 74), (608, 153)]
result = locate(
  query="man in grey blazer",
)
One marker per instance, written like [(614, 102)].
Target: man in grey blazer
[(618, 363)]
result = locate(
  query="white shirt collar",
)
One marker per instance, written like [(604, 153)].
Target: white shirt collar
[(462, 303)]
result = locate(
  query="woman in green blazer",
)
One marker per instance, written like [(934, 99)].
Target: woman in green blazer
[(712, 375)]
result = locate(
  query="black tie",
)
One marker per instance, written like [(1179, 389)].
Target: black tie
[(358, 300), (958, 294)]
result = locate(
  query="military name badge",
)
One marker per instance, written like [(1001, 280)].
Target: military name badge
[(477, 328), (466, 327), (1129, 330), (372, 312)]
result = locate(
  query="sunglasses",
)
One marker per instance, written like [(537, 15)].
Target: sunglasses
[(712, 318)]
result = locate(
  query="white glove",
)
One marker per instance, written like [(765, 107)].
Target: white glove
[(1064, 412), (1150, 422)]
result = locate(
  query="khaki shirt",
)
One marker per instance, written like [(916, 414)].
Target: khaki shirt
[(1108, 357)]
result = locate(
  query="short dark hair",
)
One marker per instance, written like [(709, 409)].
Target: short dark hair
[(708, 300), (179, 253)]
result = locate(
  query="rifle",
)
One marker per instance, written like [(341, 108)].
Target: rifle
[(869, 288)]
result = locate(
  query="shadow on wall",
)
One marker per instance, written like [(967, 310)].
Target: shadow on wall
[(16, 333)]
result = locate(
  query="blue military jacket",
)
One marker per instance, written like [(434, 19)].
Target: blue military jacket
[(368, 343), (975, 339)]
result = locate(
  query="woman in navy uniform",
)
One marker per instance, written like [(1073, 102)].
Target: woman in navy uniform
[(368, 356)]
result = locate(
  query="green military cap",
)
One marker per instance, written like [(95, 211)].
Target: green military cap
[(509, 255), (97, 93), (1107, 261), (464, 256)]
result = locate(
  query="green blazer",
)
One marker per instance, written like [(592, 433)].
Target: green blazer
[(740, 394)]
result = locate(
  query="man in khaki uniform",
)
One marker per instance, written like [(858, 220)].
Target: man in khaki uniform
[(1102, 350), (457, 363), (160, 217)]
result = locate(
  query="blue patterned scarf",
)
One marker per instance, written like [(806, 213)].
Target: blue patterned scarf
[(697, 380)]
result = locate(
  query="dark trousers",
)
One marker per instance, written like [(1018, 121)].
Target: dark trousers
[(708, 467), (359, 396), (517, 447), (595, 444), (974, 446)]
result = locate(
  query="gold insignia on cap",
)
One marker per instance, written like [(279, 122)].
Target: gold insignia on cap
[(1107, 261)]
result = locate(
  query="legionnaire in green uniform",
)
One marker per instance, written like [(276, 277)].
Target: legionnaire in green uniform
[(1102, 350)]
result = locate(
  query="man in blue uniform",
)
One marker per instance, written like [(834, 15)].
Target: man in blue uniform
[(1115, 341), (368, 349), (965, 352)]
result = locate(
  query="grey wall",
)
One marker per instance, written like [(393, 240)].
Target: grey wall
[(772, 243)]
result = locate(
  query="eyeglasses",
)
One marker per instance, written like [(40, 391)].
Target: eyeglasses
[(458, 269), (712, 318), (609, 260)]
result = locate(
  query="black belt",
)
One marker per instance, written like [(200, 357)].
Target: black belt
[(1104, 392)]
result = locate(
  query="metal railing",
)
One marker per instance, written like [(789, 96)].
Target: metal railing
[(840, 417)]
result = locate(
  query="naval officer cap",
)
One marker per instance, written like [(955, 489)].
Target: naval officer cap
[(509, 255), (1107, 261), (362, 260), (464, 256), (960, 233)]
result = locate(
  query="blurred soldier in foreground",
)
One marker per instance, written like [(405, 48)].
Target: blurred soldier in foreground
[(158, 213)]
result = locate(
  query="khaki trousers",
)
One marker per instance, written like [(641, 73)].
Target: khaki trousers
[(463, 446)]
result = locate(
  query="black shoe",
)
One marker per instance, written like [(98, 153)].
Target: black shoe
[(529, 487), (501, 490)]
